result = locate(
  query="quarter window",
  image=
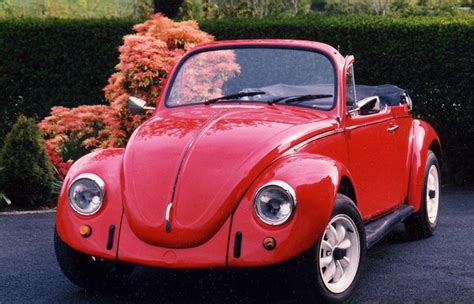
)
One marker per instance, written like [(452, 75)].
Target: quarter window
[(350, 89)]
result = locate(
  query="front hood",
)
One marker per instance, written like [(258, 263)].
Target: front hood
[(202, 160)]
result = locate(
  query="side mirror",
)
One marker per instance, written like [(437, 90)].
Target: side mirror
[(138, 106), (365, 106), (369, 104)]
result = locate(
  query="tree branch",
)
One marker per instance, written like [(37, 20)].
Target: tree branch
[(169, 8)]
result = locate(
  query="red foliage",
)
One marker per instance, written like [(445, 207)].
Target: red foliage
[(146, 58), (61, 167), (93, 126)]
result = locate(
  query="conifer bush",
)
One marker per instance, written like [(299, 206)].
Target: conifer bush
[(26, 174)]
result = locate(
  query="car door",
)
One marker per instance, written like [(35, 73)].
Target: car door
[(372, 153), (374, 156), (401, 136)]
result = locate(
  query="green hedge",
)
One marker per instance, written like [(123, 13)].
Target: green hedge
[(67, 62), (55, 62)]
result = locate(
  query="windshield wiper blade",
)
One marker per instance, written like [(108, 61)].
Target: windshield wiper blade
[(234, 96), (299, 98)]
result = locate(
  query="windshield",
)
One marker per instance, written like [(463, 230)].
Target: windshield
[(270, 75)]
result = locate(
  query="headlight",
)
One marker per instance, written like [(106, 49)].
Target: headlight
[(275, 202), (86, 194)]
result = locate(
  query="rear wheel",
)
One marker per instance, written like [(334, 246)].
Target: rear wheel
[(423, 223), (333, 266), (89, 272)]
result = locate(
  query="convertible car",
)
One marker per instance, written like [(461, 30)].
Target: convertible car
[(258, 152)]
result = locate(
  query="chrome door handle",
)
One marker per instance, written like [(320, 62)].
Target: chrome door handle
[(393, 128)]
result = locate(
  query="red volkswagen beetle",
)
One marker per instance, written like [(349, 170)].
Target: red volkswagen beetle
[(259, 151)]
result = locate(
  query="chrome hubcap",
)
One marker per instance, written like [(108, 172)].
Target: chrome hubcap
[(432, 194), (339, 253)]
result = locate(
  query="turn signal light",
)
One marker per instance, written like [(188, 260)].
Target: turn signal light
[(85, 231), (269, 243)]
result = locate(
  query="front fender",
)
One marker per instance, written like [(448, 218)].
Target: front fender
[(107, 165), (315, 180), (424, 136)]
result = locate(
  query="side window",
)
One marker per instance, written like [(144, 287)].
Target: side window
[(350, 89)]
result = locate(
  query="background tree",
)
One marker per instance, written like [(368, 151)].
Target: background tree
[(142, 9), (169, 8), (381, 6)]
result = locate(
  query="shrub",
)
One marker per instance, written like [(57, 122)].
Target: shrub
[(146, 58), (73, 132), (26, 175)]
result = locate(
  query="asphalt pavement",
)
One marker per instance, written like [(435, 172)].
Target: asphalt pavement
[(434, 270)]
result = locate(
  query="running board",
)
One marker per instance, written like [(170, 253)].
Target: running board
[(379, 228)]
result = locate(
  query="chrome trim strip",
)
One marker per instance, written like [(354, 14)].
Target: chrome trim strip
[(167, 217), (317, 137)]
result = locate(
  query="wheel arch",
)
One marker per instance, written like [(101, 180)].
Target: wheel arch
[(316, 179), (435, 146), (424, 139), (346, 187)]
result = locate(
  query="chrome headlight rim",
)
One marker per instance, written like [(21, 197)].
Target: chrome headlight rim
[(288, 189), (98, 181)]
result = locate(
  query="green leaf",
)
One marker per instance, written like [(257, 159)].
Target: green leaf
[(57, 185), (5, 198)]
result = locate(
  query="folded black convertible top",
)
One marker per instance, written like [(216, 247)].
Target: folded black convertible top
[(389, 94)]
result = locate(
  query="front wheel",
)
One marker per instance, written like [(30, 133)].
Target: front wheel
[(335, 261), (89, 272)]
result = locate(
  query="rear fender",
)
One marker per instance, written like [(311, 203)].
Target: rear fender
[(424, 137), (315, 180), (107, 165)]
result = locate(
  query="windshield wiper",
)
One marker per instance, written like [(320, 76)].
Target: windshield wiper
[(298, 98), (233, 96)]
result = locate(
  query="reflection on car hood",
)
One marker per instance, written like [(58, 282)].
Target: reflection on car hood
[(201, 159)]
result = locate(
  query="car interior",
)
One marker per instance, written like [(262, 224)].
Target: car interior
[(389, 94), (370, 99)]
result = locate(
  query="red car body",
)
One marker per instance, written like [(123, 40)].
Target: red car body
[(210, 160)]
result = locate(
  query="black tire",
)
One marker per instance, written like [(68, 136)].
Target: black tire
[(316, 288), (87, 272), (418, 225)]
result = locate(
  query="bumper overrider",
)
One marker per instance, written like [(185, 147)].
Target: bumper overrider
[(244, 239)]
